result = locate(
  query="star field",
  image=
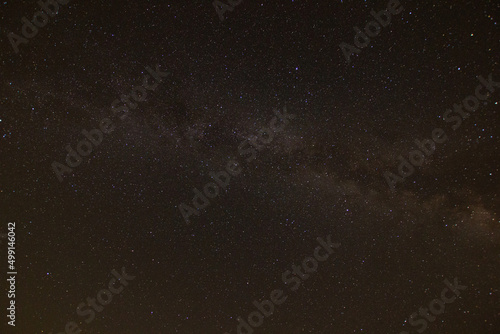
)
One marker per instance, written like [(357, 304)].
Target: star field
[(323, 174)]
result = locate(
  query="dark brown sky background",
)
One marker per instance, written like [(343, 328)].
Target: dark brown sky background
[(322, 175)]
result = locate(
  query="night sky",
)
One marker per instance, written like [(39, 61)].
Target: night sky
[(217, 83)]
